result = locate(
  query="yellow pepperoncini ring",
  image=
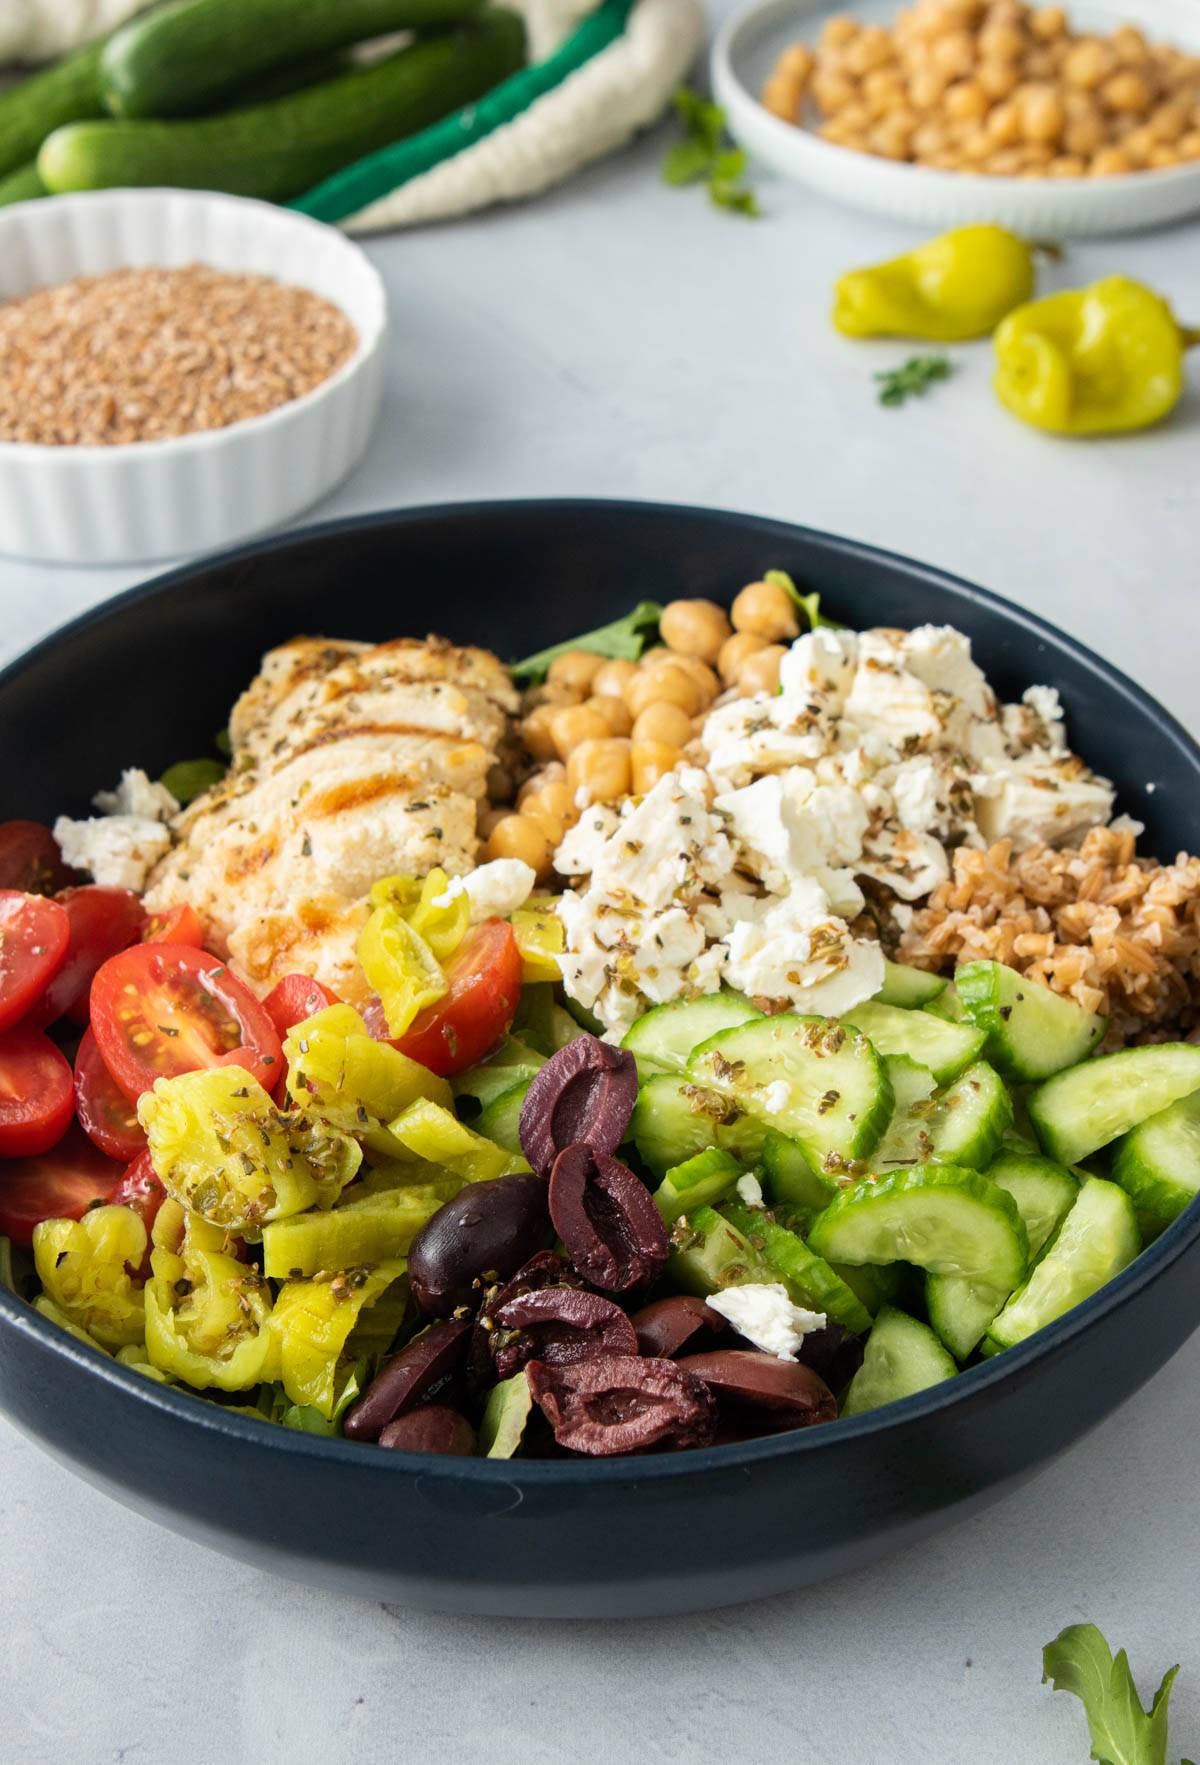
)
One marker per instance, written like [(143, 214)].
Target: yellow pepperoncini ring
[(207, 1314), (955, 287), (87, 1269), (541, 941), (400, 966), (311, 1323), (428, 1131), (352, 1082), (1092, 361)]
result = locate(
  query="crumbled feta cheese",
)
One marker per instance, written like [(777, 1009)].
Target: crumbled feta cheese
[(763, 1312), (1038, 797), (493, 890), (120, 847), (775, 1096), (137, 794), (749, 1189)]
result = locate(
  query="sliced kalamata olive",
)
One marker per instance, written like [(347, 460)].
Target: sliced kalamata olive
[(606, 1217), (668, 1325), (583, 1095), (485, 1231), (787, 1394), (833, 1353), (422, 1365), (546, 1269), (434, 1427), (558, 1325), (623, 1403)]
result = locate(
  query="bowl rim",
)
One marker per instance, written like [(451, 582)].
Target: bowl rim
[(370, 337), (969, 1386)]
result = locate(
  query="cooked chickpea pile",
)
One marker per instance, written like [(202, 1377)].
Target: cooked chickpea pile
[(599, 730), (1003, 89)]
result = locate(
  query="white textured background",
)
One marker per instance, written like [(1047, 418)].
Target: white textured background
[(619, 338)]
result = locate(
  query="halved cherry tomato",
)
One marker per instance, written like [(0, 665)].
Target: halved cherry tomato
[(102, 922), (105, 1113), (30, 859), (140, 1189), (37, 1093), (159, 1010), (34, 935), (294, 998), (58, 1185), (175, 925), (484, 978)]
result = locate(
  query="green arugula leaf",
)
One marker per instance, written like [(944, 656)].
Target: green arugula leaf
[(1122, 1733), (809, 604), (624, 639)]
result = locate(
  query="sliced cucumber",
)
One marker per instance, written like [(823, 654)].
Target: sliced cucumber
[(945, 1048), (664, 1038), (505, 1414), (1078, 1111), (1099, 1237), (513, 1063), (908, 987), (964, 1124), (911, 1083), (708, 1253), (811, 1078), (1158, 1163), (1031, 1031), (875, 1285), (789, 1177), (674, 1119), (944, 1219), (808, 1277), (700, 1181), (902, 1357), (947, 1005), (500, 1120)]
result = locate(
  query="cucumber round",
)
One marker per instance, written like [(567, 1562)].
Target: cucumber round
[(963, 1125), (674, 1119), (902, 1357), (1031, 1031), (1158, 1163), (663, 1039), (1099, 1237), (909, 987), (808, 1277), (945, 1048), (834, 1095), (700, 1181), (1078, 1111), (789, 1177), (709, 1253), (943, 1219)]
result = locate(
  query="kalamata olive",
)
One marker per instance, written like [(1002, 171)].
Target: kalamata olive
[(485, 1231), (606, 1217), (623, 1403), (422, 1365), (583, 1095), (787, 1394), (834, 1354), (668, 1325), (558, 1325), (546, 1269), (433, 1427)]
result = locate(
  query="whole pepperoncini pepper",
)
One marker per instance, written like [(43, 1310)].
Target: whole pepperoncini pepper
[(1095, 361), (955, 287)]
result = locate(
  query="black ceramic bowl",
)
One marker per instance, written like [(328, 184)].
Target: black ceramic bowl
[(148, 678)]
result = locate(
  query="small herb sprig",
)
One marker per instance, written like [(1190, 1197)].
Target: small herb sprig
[(706, 155), (913, 378)]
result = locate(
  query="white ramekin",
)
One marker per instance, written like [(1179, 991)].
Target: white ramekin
[(162, 499)]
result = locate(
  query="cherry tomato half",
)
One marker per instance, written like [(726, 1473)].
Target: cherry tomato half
[(58, 1185), (294, 998), (140, 1189), (105, 1113), (102, 922), (484, 977), (30, 859), (175, 925), (37, 1093), (159, 1010), (34, 935)]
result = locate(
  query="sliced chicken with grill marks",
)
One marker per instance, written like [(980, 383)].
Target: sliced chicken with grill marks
[(349, 763)]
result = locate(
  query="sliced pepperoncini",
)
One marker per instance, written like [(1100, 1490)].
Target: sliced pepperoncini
[(349, 1080), (430, 1132), (311, 1323), (87, 1268), (207, 1314), (541, 941), (400, 966)]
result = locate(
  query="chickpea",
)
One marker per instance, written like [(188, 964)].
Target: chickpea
[(1001, 42), (1139, 144), (871, 48), (832, 91), (734, 652), (1004, 125), (694, 628), (1127, 92), (840, 136), (783, 97), (1087, 63), (839, 30), (1067, 165), (975, 147), (667, 682), (883, 85), (650, 761), (1048, 23), (518, 836), (704, 676), (611, 679), (797, 63), (575, 724), (760, 673), (889, 140), (929, 138), (856, 118), (536, 735), (954, 54), (487, 819), (576, 670), (1129, 46), (601, 768), (614, 711), (926, 86), (767, 609), (1162, 155), (1041, 112), (552, 693), (552, 825), (1038, 65), (997, 79), (1170, 120), (1110, 162), (554, 798), (1085, 135), (1188, 146), (664, 723), (554, 773), (966, 102)]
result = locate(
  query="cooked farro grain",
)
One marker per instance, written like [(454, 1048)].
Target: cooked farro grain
[(1120, 934), (144, 354)]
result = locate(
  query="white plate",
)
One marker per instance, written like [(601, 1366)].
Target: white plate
[(163, 499), (745, 50)]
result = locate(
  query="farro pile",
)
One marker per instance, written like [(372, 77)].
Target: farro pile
[(1120, 934)]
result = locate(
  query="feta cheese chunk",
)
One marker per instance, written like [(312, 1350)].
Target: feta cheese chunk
[(137, 794), (493, 890), (749, 1189), (121, 846), (764, 1314)]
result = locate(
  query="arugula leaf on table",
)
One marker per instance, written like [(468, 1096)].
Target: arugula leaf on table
[(624, 640), (705, 155), (809, 604), (1122, 1733)]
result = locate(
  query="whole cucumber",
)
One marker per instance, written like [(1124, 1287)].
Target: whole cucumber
[(21, 186), (188, 56), (61, 94), (277, 150)]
